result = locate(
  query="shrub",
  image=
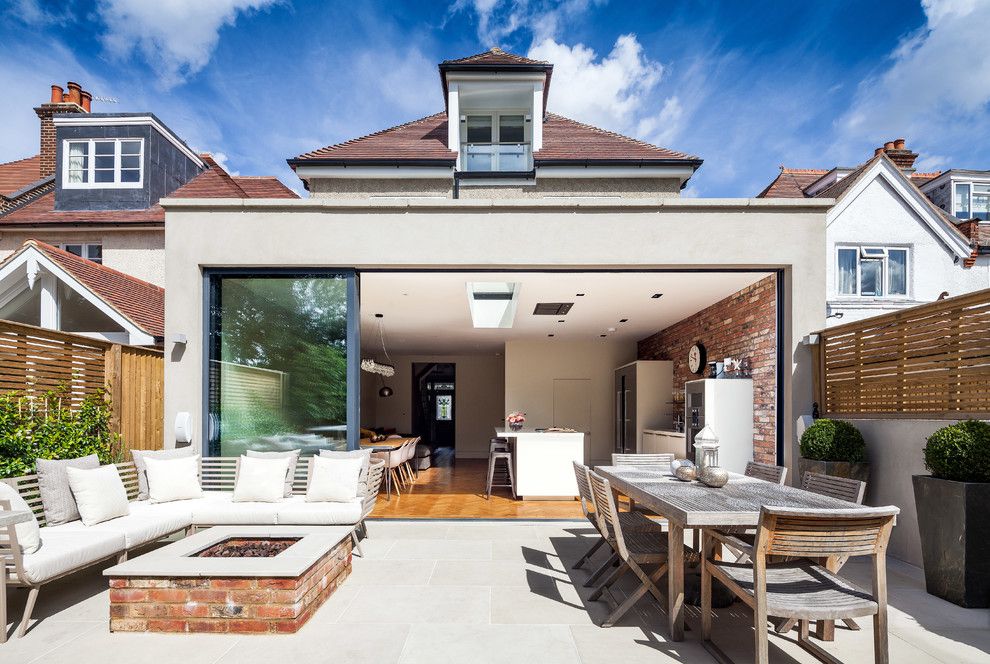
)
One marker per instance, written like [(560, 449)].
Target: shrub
[(46, 428), (833, 440), (960, 452)]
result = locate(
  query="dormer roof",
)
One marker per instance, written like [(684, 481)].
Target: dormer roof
[(495, 60), (495, 56)]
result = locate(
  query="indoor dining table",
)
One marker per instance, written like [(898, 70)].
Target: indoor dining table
[(693, 505), (386, 447)]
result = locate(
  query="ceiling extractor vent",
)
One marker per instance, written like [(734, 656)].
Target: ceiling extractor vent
[(552, 308)]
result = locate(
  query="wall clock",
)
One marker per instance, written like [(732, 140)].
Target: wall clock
[(696, 358)]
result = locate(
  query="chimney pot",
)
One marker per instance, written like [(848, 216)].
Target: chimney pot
[(877, 151), (889, 145), (57, 94), (75, 93), (899, 144), (87, 101), (65, 97)]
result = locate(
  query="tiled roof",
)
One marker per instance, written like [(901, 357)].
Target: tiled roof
[(425, 140), (140, 302), (15, 175), (494, 56), (211, 183), (793, 182)]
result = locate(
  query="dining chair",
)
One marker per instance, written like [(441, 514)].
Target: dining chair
[(843, 488), (804, 585), (621, 459), (630, 520), (766, 472), (634, 548)]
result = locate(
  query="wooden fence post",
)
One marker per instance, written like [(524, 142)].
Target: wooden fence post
[(113, 381)]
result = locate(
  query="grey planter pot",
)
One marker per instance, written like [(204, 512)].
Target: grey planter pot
[(857, 471), (954, 523)]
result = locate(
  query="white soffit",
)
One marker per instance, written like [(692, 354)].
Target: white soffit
[(428, 313)]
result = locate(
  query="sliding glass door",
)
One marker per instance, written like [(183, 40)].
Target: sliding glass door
[(282, 363)]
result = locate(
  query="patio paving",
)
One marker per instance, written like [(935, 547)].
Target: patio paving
[(481, 592)]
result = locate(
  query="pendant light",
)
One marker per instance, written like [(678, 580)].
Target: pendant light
[(383, 370)]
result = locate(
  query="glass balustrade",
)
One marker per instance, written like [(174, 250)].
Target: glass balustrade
[(496, 157)]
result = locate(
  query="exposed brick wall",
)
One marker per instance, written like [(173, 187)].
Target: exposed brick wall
[(48, 146), (228, 604), (743, 325)]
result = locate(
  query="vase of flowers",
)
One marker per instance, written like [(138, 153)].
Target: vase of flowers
[(515, 419)]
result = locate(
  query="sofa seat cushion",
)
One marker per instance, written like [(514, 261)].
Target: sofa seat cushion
[(67, 549), (216, 508), (296, 511), (146, 523)]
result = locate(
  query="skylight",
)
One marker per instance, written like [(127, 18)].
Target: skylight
[(493, 303)]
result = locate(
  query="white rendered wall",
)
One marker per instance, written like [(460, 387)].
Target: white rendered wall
[(878, 216)]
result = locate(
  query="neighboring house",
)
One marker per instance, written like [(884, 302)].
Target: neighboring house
[(888, 246), (962, 193), (94, 188), (502, 143), (81, 230)]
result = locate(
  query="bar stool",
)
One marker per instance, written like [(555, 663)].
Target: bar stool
[(498, 449)]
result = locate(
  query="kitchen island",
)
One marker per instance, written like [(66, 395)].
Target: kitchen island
[(543, 462)]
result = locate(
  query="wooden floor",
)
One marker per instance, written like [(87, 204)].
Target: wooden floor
[(457, 491)]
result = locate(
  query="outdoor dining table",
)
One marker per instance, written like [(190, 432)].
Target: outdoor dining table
[(694, 505)]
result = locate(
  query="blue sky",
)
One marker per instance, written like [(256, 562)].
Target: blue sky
[(745, 85)]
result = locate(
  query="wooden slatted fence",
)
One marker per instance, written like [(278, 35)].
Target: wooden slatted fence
[(931, 361), (34, 360)]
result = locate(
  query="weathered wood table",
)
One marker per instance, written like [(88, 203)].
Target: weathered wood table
[(694, 505)]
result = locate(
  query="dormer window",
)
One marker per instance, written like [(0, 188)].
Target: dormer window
[(972, 201), (496, 142), (103, 163)]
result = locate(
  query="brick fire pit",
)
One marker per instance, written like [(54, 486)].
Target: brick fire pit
[(198, 584)]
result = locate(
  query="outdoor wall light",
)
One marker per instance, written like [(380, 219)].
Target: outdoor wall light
[(179, 339), (385, 392)]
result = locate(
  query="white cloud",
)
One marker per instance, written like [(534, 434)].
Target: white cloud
[(176, 37), (500, 19), (618, 91), (936, 84)]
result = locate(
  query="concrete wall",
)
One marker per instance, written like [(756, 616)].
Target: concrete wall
[(140, 254), (894, 448), (340, 188), (879, 216), (478, 399), (532, 366), (670, 233)]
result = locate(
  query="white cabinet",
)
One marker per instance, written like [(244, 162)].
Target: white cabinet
[(659, 441)]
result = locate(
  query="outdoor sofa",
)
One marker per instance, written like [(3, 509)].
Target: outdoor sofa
[(69, 547)]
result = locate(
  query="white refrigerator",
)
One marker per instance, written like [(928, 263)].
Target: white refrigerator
[(726, 406)]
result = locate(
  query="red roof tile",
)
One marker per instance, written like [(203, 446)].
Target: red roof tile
[(140, 302), (211, 183), (425, 140), (494, 56), (15, 175), (793, 182)]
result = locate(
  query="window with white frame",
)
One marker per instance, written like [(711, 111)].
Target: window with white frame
[(495, 142), (89, 251), (103, 163), (972, 201), (872, 271)]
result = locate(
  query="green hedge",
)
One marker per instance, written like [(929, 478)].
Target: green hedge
[(46, 428), (833, 440), (960, 452)]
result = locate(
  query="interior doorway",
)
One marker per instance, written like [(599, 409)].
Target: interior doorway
[(434, 409)]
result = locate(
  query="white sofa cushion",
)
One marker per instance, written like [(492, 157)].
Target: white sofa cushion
[(291, 455), (53, 485), (67, 550), (140, 455), (217, 508), (28, 532), (364, 455), (147, 522), (260, 480), (99, 492), (333, 480), (297, 512), (173, 479)]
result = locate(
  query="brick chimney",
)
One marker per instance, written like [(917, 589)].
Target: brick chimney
[(899, 154), (76, 100)]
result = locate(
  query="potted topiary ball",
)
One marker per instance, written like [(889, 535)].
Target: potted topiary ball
[(954, 513), (834, 447)]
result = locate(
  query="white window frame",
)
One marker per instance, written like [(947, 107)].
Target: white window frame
[(91, 165), (85, 249), (861, 255), (496, 137)]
